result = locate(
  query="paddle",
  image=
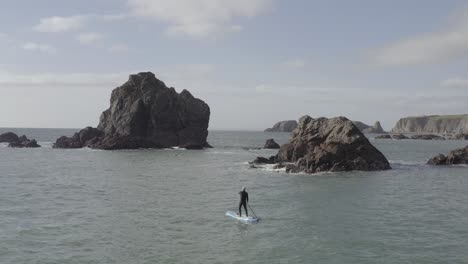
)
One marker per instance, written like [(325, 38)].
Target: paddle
[(252, 211)]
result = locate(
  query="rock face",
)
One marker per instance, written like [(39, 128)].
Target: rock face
[(376, 129), (460, 137), (283, 126), (438, 124), (87, 137), (458, 156), (22, 142), (145, 113), (335, 144), (271, 144), (8, 137)]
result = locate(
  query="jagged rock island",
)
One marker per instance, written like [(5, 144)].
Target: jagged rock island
[(322, 144), (375, 129), (18, 142), (283, 126), (145, 113)]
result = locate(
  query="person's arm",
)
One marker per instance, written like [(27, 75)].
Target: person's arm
[(247, 197)]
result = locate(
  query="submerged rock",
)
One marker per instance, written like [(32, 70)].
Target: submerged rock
[(145, 113), (271, 144), (8, 137), (457, 156), (283, 126), (335, 144), (262, 160)]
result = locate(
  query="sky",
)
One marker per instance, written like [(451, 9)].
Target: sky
[(255, 62)]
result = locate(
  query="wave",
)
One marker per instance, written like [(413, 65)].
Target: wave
[(405, 162)]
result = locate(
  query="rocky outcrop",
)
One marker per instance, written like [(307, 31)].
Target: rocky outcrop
[(283, 126), (383, 137), (460, 137), (335, 144), (427, 137), (145, 113), (458, 156), (375, 129), (399, 137), (87, 137), (271, 144), (8, 137), (262, 160), (437, 124), (24, 142)]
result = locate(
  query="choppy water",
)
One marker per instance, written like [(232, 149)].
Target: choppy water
[(167, 206)]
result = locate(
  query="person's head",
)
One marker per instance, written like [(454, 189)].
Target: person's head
[(243, 188)]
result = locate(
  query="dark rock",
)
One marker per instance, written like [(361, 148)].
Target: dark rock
[(271, 144), (399, 137), (145, 113), (283, 126), (24, 142), (460, 137), (292, 168), (383, 137), (86, 137), (334, 144), (262, 160), (376, 129), (457, 156), (427, 137), (8, 137)]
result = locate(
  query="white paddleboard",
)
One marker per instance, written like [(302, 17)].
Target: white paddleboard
[(243, 219)]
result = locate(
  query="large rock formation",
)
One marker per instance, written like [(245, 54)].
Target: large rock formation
[(458, 156), (375, 129), (145, 113), (335, 144), (271, 144), (438, 124), (8, 137), (283, 126)]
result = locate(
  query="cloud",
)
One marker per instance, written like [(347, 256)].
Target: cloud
[(89, 38), (455, 83), (295, 64), (32, 46), (435, 47), (57, 24), (198, 18)]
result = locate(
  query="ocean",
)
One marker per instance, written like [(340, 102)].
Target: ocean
[(168, 206)]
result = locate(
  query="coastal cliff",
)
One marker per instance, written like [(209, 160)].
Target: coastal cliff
[(439, 124)]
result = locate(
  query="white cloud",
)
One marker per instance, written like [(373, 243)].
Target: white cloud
[(32, 46), (455, 83), (199, 18), (58, 24), (440, 46), (295, 64), (89, 38)]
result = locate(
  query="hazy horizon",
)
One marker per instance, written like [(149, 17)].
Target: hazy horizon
[(255, 62)]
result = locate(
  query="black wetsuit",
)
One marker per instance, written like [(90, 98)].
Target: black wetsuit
[(244, 199)]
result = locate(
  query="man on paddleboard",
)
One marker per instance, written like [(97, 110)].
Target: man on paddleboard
[(244, 199)]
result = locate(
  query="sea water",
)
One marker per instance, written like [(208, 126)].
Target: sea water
[(168, 206)]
